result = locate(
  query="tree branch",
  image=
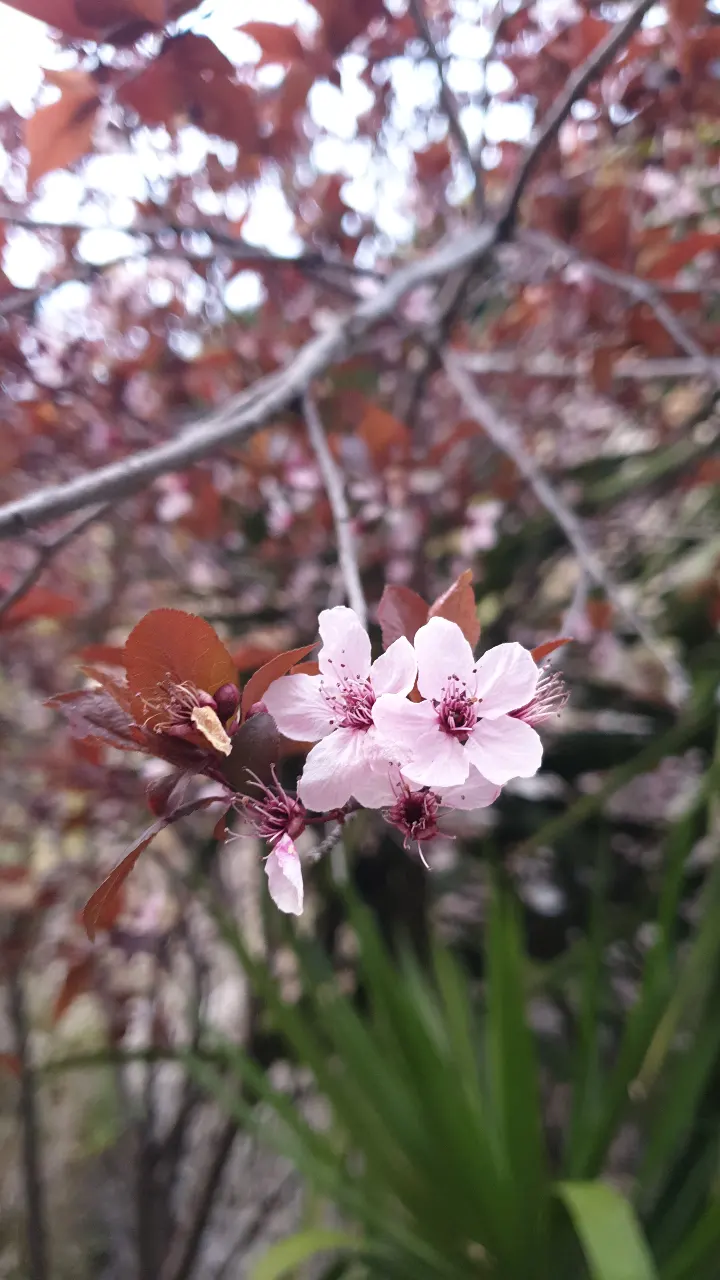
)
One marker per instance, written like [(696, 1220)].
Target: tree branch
[(36, 1227), (45, 555), (447, 100), (335, 489), (643, 290), (577, 83), (506, 438)]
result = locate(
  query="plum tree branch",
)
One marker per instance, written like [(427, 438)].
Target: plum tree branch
[(45, 555), (251, 409), (506, 438), (335, 489)]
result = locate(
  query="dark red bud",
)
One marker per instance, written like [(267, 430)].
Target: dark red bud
[(227, 700), (257, 709)]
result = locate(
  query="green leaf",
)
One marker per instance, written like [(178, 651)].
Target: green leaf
[(515, 1089), (609, 1232), (288, 1254)]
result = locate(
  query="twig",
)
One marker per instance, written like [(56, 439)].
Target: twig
[(547, 364), (559, 111), (447, 100), (335, 489), (181, 1261), (251, 409), (44, 557), (35, 1214), (505, 437), (643, 291), (246, 1238)]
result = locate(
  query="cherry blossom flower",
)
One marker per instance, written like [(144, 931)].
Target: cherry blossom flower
[(284, 873), (466, 718), (335, 710)]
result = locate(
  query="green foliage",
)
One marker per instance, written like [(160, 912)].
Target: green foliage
[(436, 1151)]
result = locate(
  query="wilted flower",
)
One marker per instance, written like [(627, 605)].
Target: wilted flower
[(335, 710), (284, 873), (466, 718), (414, 813), (274, 813), (550, 697)]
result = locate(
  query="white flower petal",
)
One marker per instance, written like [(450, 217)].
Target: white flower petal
[(505, 748), (396, 669), (506, 679), (284, 873), (475, 793), (346, 645), (298, 708), (399, 722), (438, 760), (442, 651), (332, 769)]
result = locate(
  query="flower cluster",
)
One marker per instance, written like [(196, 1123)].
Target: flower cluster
[(426, 726)]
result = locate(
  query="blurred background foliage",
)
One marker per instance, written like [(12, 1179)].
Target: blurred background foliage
[(508, 1065)]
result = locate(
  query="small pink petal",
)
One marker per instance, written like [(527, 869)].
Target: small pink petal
[(395, 670), (346, 645), (504, 748), (331, 770), (475, 793), (399, 722), (438, 760), (284, 873), (298, 708), (506, 680), (442, 651)]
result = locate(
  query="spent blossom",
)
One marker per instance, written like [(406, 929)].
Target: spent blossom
[(273, 813), (284, 873), (335, 710), (465, 718)]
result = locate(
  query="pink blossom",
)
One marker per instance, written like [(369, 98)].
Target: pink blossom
[(284, 873), (465, 719), (335, 710)]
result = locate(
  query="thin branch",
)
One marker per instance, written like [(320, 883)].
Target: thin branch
[(643, 290), (577, 83), (180, 1262), (45, 555), (506, 438), (252, 1231), (335, 489), (447, 100), (35, 1212), (547, 364), (251, 409)]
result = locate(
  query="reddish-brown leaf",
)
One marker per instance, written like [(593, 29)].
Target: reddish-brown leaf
[(108, 655), (168, 644), (58, 135), (276, 667), (458, 605), (383, 434), (94, 714), (543, 650), (56, 13), (10, 1062), (78, 980), (164, 793), (278, 44), (306, 669), (104, 905), (256, 748), (38, 602), (401, 612)]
